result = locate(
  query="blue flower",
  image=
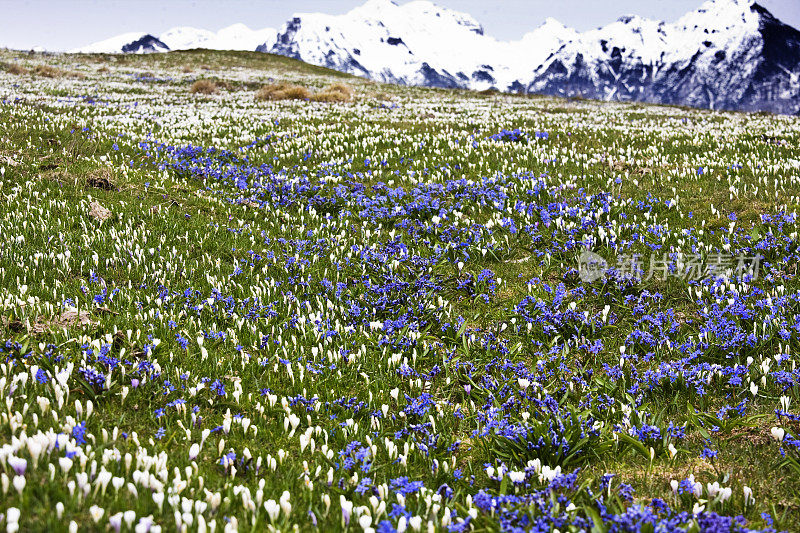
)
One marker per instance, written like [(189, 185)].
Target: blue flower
[(79, 433)]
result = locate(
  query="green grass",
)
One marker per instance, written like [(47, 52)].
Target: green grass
[(185, 256)]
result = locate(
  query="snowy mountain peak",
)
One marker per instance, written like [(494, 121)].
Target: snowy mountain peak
[(184, 37), (725, 54), (635, 20), (550, 22), (549, 34), (729, 9), (374, 7), (727, 4), (553, 27), (112, 45), (377, 5), (720, 14), (234, 37), (423, 9), (234, 29)]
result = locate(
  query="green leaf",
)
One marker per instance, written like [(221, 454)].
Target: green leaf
[(599, 526), (635, 444), (504, 485)]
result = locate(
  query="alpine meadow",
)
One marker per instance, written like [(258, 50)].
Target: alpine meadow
[(243, 293)]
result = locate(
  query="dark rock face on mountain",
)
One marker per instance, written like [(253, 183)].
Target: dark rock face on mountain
[(776, 78), (146, 44), (285, 39)]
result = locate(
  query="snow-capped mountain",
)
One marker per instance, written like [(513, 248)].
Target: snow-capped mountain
[(235, 37), (133, 42), (728, 54), (418, 43)]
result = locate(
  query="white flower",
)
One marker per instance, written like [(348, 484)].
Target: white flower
[(35, 449), (65, 463), (286, 506), (778, 433), (96, 513), (272, 508), (516, 477), (115, 521), (103, 478), (158, 498), (347, 509), (19, 484), (748, 495), (12, 515)]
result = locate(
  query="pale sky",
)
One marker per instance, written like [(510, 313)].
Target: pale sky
[(65, 24)]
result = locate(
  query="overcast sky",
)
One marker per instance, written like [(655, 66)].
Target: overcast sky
[(65, 24)]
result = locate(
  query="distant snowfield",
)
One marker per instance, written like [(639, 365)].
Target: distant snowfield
[(234, 37), (727, 54), (112, 45)]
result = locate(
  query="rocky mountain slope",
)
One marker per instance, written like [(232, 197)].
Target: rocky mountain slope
[(728, 54)]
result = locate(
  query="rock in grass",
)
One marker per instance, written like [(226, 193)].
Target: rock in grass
[(99, 212)]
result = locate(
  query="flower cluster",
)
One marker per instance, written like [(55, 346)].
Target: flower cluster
[(367, 315)]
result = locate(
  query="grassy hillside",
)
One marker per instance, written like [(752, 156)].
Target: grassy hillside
[(227, 313)]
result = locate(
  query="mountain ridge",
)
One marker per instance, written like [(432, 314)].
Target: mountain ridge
[(727, 54)]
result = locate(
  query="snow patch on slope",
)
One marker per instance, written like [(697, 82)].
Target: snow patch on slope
[(235, 37)]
